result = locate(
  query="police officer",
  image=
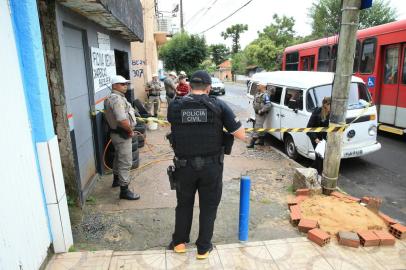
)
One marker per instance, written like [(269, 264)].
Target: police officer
[(120, 117), (170, 86), (262, 105), (197, 122), (153, 93)]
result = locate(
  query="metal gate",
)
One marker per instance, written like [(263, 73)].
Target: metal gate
[(77, 100)]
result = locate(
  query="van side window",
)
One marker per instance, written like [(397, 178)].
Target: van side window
[(311, 101), (254, 88), (367, 56), (294, 95), (275, 93)]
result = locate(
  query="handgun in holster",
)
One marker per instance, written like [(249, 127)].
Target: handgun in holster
[(172, 181)]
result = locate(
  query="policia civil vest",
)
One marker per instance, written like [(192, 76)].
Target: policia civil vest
[(196, 126)]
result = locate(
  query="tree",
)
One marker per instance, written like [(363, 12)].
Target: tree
[(219, 53), (266, 50), (234, 33), (326, 16), (184, 52)]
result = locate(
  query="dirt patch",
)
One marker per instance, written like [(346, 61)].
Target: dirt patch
[(335, 215)]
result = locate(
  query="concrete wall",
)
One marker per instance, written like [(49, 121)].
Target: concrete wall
[(144, 54), (66, 17), (33, 207)]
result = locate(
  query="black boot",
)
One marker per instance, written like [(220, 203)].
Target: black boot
[(260, 141), (116, 181), (252, 143), (127, 194)]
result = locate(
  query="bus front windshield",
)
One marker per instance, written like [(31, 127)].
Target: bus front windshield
[(358, 97)]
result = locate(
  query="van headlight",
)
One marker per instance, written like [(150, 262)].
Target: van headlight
[(372, 130)]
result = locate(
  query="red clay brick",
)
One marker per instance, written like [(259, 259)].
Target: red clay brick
[(303, 191), (398, 230), (306, 225), (388, 220), (365, 200), (349, 239), (385, 238), (351, 198), (318, 236), (301, 198), (374, 204), (368, 238), (295, 215), (292, 201)]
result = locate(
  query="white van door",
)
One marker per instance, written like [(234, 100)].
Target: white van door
[(273, 119), (295, 117)]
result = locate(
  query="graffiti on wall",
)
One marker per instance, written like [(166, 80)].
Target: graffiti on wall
[(137, 68)]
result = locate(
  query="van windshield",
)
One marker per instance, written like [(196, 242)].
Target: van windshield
[(358, 98)]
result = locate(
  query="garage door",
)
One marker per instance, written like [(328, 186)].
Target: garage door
[(77, 100)]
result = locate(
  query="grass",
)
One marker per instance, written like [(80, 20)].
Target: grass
[(290, 189), (72, 249), (91, 200)]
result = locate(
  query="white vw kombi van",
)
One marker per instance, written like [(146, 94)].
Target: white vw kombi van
[(308, 90)]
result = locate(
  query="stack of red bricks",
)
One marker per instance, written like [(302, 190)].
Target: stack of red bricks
[(352, 239)]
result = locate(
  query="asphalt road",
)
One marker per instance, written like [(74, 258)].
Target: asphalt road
[(381, 174)]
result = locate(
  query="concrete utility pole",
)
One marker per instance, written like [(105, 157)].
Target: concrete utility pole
[(341, 87), (181, 17)]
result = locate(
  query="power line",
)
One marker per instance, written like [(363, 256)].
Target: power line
[(227, 17), (197, 14)]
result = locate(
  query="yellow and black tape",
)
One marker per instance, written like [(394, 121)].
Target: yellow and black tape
[(340, 128)]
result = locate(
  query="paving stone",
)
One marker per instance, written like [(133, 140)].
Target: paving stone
[(349, 239)]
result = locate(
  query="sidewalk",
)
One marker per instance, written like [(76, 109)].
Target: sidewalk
[(290, 253)]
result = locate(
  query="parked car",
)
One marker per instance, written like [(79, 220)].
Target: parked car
[(217, 87), (307, 90)]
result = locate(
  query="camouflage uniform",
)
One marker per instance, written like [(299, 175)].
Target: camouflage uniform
[(262, 105), (154, 93), (118, 109)]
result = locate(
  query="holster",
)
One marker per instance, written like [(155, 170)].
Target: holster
[(171, 175), (121, 132), (228, 141)]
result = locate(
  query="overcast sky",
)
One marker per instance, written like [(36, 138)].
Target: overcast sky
[(257, 15)]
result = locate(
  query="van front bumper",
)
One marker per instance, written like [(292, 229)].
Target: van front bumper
[(354, 151)]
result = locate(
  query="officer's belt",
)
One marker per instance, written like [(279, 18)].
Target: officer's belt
[(183, 162), (154, 95)]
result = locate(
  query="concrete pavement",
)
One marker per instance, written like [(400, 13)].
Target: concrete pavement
[(290, 253)]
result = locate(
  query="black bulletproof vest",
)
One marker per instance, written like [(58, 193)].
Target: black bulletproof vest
[(197, 130)]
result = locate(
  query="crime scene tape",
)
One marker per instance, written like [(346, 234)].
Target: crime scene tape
[(340, 128)]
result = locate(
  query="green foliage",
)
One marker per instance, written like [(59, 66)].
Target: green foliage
[(72, 249), (71, 201), (184, 52), (267, 49), (208, 65), (326, 16), (219, 53), (91, 200), (234, 32), (239, 63)]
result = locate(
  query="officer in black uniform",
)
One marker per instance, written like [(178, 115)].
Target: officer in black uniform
[(197, 123)]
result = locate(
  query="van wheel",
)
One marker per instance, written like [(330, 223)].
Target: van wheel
[(290, 147)]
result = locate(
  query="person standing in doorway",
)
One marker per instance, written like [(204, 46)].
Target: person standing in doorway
[(153, 93), (197, 123), (170, 87), (120, 116), (262, 105), (319, 118)]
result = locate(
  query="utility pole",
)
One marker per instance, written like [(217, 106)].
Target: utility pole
[(345, 59), (181, 17)]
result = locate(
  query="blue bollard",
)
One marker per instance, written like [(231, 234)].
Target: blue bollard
[(245, 186)]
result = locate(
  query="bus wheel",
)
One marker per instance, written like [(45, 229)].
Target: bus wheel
[(290, 147)]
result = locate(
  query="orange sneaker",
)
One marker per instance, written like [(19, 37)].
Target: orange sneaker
[(181, 248)]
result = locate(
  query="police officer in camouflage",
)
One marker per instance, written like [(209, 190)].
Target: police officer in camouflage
[(197, 122), (120, 116), (262, 105), (153, 93)]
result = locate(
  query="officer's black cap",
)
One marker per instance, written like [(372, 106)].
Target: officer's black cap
[(201, 76)]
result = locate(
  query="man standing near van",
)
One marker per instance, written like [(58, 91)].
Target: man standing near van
[(170, 86), (262, 105)]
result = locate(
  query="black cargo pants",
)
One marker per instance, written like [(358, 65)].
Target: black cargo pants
[(204, 175)]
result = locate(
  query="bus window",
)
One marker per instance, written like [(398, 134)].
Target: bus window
[(391, 66), (368, 56), (323, 63), (334, 50), (292, 61), (404, 67), (356, 57), (308, 63)]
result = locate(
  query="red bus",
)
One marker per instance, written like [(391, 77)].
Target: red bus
[(380, 60)]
